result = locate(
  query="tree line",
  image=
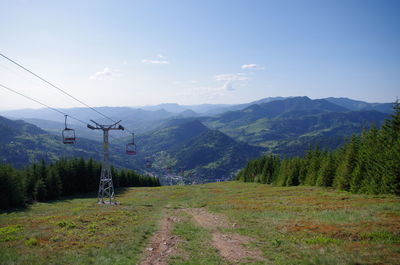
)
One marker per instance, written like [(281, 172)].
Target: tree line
[(43, 182), (367, 163)]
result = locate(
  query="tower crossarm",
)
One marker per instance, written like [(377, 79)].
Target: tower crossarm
[(106, 187), (98, 126)]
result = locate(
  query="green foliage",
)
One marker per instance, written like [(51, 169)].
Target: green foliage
[(11, 185), (66, 224), (321, 240), (369, 163), (43, 182), (263, 170), (40, 190), (9, 233), (382, 236), (31, 242), (347, 164), (313, 165), (326, 172)]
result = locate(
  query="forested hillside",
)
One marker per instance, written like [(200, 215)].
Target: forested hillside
[(369, 163), (185, 148), (287, 126), (191, 149), (42, 182)]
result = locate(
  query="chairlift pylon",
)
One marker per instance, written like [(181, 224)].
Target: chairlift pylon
[(131, 147), (68, 134)]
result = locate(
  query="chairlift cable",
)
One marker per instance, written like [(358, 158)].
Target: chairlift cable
[(54, 109), (43, 104), (58, 88)]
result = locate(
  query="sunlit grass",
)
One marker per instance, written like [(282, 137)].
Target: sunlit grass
[(290, 225)]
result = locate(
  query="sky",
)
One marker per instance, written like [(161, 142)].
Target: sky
[(135, 53)]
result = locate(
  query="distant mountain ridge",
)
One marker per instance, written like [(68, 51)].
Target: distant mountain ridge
[(281, 125), (361, 105), (9, 129), (23, 143), (205, 147), (281, 108), (146, 118)]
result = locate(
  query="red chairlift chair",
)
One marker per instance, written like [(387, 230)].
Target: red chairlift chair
[(131, 147), (68, 134)]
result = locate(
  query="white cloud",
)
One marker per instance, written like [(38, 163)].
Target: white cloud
[(252, 66), (232, 77), (209, 92), (160, 56), (106, 73), (228, 86), (155, 61)]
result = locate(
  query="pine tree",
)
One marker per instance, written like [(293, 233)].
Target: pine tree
[(284, 169), (313, 167), (370, 165), (12, 194), (29, 183), (40, 191), (326, 172), (390, 139), (305, 165), (53, 184), (294, 167), (347, 164)]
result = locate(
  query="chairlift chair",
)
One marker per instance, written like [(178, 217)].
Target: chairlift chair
[(131, 147), (68, 134)]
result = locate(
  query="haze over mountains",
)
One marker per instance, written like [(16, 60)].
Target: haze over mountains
[(198, 143)]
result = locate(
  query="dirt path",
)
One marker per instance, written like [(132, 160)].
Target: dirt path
[(162, 244), (230, 246)]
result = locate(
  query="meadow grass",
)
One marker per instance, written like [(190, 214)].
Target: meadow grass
[(290, 225), (195, 247)]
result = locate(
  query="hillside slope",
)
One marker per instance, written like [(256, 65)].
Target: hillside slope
[(203, 154), (24, 143), (199, 224), (180, 144), (288, 126)]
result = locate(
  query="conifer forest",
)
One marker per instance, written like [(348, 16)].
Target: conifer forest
[(366, 163)]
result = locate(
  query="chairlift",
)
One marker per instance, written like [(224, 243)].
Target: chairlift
[(131, 147), (68, 134)]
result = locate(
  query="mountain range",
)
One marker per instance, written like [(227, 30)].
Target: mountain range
[(192, 144)]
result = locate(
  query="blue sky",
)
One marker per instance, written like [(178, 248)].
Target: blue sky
[(130, 53)]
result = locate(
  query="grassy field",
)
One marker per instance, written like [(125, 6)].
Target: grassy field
[(290, 225)]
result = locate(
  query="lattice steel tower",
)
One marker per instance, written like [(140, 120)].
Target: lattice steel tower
[(106, 187)]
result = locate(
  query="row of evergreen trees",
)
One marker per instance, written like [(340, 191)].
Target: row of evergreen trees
[(368, 163), (42, 182)]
